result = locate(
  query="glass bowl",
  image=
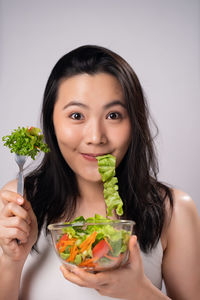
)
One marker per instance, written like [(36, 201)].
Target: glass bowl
[(93, 246)]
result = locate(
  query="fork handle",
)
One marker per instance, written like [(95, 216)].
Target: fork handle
[(20, 184)]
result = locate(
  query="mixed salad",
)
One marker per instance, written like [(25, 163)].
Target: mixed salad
[(26, 141), (97, 241)]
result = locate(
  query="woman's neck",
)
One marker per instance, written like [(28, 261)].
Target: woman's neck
[(90, 192), (91, 199)]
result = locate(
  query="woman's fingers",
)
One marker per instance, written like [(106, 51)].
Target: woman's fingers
[(27, 206), (15, 205), (93, 279), (13, 209), (8, 234), (72, 277), (16, 222), (18, 225), (16, 216), (9, 196), (135, 259), (12, 206), (84, 278), (14, 219)]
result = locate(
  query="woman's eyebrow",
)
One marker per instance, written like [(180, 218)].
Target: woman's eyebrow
[(106, 106), (76, 103), (113, 103)]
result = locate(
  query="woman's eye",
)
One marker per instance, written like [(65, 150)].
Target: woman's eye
[(114, 116), (76, 116)]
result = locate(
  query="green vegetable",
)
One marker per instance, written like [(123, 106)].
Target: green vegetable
[(76, 239), (96, 242), (26, 141), (112, 198)]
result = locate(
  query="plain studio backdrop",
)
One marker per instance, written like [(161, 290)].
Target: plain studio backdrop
[(159, 38)]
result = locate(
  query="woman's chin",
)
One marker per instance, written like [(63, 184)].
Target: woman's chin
[(93, 178)]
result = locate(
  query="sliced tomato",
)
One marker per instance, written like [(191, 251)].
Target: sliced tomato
[(65, 237), (30, 128), (100, 249)]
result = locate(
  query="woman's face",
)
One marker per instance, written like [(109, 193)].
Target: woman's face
[(90, 119)]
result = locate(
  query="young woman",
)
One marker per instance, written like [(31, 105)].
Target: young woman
[(94, 105)]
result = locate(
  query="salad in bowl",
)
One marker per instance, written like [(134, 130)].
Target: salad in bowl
[(97, 243)]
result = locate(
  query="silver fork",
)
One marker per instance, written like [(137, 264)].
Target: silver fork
[(20, 160)]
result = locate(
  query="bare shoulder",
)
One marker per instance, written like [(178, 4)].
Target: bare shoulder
[(183, 201), (182, 249), (184, 211), (184, 217)]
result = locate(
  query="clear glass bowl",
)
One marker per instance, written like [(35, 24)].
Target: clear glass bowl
[(92, 246)]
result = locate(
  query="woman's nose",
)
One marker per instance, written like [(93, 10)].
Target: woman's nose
[(95, 133)]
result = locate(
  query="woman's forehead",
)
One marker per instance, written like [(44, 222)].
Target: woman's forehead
[(85, 87)]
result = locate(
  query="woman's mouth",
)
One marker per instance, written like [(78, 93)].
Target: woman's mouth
[(91, 156)]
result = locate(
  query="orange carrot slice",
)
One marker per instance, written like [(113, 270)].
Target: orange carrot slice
[(110, 247)]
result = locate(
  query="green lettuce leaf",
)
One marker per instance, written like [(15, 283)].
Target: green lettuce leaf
[(25, 141), (106, 167)]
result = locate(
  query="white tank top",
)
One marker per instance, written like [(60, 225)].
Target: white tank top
[(43, 280)]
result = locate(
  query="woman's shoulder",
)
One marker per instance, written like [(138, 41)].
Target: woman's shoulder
[(184, 207), (182, 248), (184, 213)]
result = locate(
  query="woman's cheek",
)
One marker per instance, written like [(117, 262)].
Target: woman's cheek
[(69, 136), (123, 139)]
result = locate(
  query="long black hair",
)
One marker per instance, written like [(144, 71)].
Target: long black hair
[(52, 188)]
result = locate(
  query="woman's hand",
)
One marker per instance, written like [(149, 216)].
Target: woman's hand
[(127, 282), (18, 226)]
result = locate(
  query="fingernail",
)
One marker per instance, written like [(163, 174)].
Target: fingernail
[(20, 200)]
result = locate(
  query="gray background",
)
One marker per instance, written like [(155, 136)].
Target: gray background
[(160, 39)]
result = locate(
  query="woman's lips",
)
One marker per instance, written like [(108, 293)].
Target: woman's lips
[(90, 157)]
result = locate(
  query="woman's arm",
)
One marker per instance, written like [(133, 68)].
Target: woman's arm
[(17, 222), (181, 267), (10, 278)]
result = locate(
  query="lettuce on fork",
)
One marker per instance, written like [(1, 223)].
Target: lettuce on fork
[(25, 141)]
